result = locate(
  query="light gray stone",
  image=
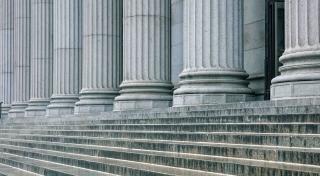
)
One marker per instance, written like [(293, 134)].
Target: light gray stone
[(213, 54), (147, 82), (67, 57), (102, 58), (41, 57), (22, 48), (300, 77), (6, 55)]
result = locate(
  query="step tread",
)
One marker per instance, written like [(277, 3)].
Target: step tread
[(76, 171), (174, 170), (13, 171), (167, 132), (174, 142), (118, 162)]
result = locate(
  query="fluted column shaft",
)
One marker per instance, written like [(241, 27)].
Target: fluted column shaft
[(6, 55), (213, 53), (102, 55), (67, 56), (41, 57), (146, 65), (22, 16), (300, 73)]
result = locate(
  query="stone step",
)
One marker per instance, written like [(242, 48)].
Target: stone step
[(175, 148), (165, 114), (222, 164), (293, 118), (275, 139), (45, 167), (103, 164), (6, 170), (301, 128)]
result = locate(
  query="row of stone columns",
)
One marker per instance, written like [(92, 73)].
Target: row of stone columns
[(69, 55)]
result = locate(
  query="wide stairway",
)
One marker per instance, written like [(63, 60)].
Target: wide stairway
[(251, 139)]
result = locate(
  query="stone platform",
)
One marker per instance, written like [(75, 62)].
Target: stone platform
[(268, 138)]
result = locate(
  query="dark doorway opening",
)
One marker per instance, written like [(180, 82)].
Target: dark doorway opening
[(275, 39)]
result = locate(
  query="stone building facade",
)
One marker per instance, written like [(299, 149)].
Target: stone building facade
[(62, 57)]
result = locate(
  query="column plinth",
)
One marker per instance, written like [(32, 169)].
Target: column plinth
[(67, 57), (147, 82), (300, 76), (213, 54), (102, 55), (22, 16), (6, 55), (41, 57)]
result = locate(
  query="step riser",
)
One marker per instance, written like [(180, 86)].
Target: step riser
[(31, 168), (290, 141), (307, 110), (203, 165), (257, 128), (270, 155)]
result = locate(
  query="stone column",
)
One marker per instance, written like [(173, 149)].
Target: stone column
[(300, 73), (6, 55), (22, 42), (146, 65), (67, 57), (213, 54), (41, 56), (102, 55)]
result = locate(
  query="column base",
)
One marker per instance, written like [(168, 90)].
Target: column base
[(143, 95), (140, 104), (95, 101), (295, 90), (17, 110), (37, 107), (207, 99), (5, 111), (62, 105)]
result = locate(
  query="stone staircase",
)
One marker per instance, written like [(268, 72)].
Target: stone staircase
[(279, 138)]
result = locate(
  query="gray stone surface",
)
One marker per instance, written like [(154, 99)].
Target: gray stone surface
[(102, 55), (146, 77), (6, 55), (41, 57), (300, 76), (22, 53), (176, 41), (67, 57), (213, 54), (254, 45)]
